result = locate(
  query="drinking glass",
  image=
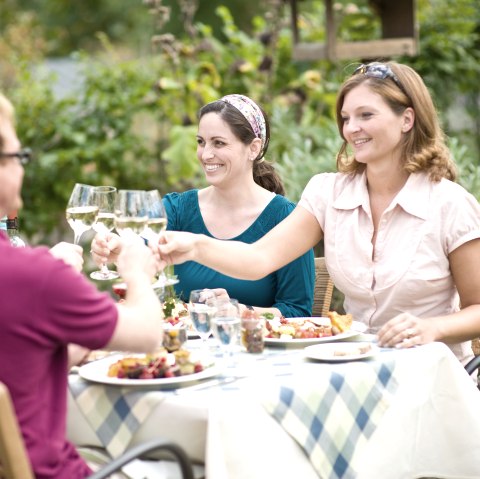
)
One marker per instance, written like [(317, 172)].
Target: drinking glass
[(202, 310), (130, 213), (157, 216), (105, 200), (226, 326), (81, 210)]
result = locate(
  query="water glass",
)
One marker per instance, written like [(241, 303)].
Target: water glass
[(226, 326)]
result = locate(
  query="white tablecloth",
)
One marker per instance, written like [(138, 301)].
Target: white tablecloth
[(426, 421)]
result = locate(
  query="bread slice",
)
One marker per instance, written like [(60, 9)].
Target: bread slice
[(340, 322)]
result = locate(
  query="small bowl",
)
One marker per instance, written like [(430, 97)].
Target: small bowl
[(174, 336)]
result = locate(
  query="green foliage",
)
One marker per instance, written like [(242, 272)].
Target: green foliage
[(301, 149), (133, 121), (469, 171), (69, 26)]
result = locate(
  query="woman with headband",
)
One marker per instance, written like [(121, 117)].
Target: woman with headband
[(402, 238), (243, 201)]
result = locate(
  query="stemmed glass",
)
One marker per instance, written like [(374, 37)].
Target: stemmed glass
[(105, 199), (130, 213), (201, 309), (156, 225), (226, 326), (81, 210), (157, 216)]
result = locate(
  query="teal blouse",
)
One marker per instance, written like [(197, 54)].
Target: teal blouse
[(290, 289)]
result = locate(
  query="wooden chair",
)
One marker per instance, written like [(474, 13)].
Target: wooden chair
[(15, 464), (323, 291)]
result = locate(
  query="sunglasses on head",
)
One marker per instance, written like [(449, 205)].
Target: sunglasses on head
[(378, 70), (24, 155)]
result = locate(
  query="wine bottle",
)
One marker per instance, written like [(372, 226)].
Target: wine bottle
[(12, 231)]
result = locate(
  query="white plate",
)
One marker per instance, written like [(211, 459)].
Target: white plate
[(356, 328), (330, 351), (97, 371)]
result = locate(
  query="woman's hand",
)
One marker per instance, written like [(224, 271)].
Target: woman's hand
[(106, 248), (406, 331), (72, 254), (177, 247)]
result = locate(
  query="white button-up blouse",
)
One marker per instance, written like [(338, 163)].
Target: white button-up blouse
[(409, 269)]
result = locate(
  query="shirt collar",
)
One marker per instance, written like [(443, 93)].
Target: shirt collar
[(413, 197)]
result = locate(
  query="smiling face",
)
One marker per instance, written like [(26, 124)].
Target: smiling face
[(371, 128), (223, 156), (11, 171)]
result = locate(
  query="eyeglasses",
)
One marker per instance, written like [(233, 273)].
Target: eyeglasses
[(379, 70), (24, 155)]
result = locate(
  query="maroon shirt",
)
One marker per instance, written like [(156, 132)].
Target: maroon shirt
[(45, 305)]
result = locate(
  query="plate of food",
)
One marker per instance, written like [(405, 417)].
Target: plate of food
[(300, 332), (161, 369), (340, 352)]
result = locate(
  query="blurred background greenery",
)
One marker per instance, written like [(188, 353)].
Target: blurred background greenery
[(131, 75)]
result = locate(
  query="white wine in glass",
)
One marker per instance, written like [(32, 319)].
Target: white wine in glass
[(81, 210), (157, 216), (156, 225), (130, 213), (105, 197)]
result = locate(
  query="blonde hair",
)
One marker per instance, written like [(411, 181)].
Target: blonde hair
[(423, 147)]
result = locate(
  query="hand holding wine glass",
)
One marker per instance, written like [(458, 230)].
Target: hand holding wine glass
[(81, 210), (105, 197)]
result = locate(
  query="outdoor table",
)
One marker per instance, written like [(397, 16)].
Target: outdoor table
[(402, 413)]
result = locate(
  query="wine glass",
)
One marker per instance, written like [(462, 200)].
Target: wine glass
[(157, 216), (202, 310), (156, 225), (226, 325), (81, 210), (130, 213), (105, 199)]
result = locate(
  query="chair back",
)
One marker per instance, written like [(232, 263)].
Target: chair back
[(322, 296), (14, 461)]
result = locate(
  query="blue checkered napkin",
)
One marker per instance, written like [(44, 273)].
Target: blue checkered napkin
[(332, 412), (114, 413)]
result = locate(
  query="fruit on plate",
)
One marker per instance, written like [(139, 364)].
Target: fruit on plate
[(155, 366), (340, 322)]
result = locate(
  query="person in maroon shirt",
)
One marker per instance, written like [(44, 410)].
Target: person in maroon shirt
[(48, 308)]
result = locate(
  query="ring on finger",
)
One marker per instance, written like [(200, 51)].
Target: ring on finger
[(409, 333)]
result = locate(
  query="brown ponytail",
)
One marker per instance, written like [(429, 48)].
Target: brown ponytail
[(264, 173)]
